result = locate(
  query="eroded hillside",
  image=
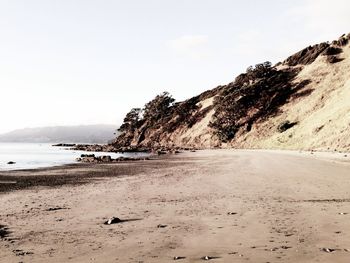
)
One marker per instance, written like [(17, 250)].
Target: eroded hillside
[(301, 103)]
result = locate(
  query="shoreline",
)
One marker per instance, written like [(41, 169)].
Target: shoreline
[(85, 172), (82, 172), (18, 156), (67, 174)]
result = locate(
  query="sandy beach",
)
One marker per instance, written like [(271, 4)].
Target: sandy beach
[(217, 205)]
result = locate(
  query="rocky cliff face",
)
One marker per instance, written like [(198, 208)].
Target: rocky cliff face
[(301, 103)]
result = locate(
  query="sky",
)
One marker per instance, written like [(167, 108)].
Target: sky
[(73, 62)]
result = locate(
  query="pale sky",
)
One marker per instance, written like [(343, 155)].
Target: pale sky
[(70, 62)]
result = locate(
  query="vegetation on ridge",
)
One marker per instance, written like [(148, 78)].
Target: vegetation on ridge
[(253, 96), (228, 111), (161, 115)]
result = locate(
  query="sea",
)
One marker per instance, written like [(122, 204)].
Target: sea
[(39, 155)]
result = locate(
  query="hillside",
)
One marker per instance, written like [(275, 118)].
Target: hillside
[(66, 134), (300, 103)]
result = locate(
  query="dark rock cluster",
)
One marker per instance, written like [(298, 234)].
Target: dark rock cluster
[(94, 147), (64, 145), (91, 158)]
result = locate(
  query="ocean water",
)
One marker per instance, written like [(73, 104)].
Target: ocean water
[(36, 155)]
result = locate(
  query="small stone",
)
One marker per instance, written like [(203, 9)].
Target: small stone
[(328, 250), (113, 220), (232, 213), (209, 258), (285, 247), (178, 258), (55, 208)]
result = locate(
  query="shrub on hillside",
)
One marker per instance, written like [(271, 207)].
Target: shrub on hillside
[(285, 125), (254, 95), (131, 120), (158, 108)]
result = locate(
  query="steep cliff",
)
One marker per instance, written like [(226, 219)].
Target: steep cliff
[(300, 103)]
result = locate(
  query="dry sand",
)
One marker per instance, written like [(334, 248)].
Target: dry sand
[(285, 207)]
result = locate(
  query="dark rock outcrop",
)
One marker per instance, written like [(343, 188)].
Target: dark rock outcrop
[(91, 158), (113, 220), (64, 145)]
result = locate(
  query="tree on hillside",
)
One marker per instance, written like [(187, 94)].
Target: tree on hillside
[(253, 96), (131, 120), (158, 108), (253, 74)]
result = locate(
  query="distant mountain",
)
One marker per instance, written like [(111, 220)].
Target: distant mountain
[(64, 134)]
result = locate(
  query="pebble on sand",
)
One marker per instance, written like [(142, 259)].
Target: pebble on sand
[(208, 258), (178, 258), (113, 220), (328, 250)]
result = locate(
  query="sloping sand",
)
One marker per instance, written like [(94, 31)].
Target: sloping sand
[(236, 205)]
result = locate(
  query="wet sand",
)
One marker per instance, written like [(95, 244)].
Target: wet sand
[(221, 205)]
